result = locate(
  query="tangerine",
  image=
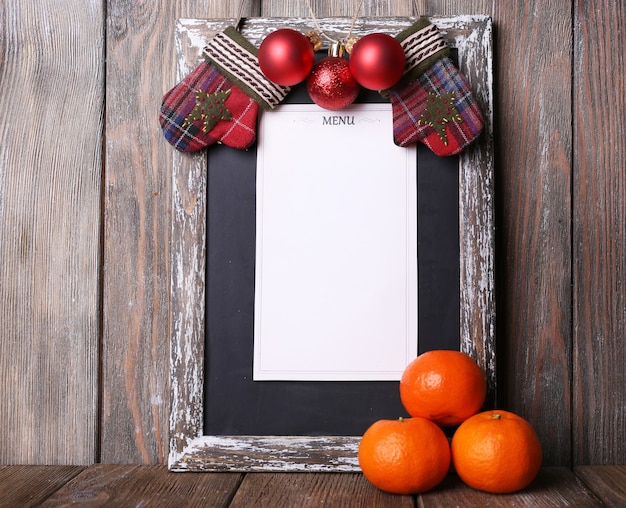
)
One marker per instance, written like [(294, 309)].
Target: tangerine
[(404, 456), (444, 386), (497, 452)]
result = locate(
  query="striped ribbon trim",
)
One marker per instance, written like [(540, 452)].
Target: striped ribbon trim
[(422, 45), (240, 64)]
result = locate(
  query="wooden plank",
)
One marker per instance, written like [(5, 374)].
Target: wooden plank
[(313, 490), (51, 105), (188, 449), (607, 482), (137, 199), (269, 453), (26, 486), (188, 270), (131, 485), (535, 217), (600, 234), (553, 487), (533, 129), (330, 8)]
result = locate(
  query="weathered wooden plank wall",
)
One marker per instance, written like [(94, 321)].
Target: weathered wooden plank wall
[(533, 216), (533, 44), (51, 111), (67, 305), (599, 233)]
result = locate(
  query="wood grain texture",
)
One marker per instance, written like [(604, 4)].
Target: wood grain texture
[(51, 107), (137, 202), (329, 8), (147, 486), (313, 490), (26, 486), (607, 482), (534, 218), (269, 454), (533, 129), (599, 234), (553, 487), (559, 210), (132, 485), (187, 269)]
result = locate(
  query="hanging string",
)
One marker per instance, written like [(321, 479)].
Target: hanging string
[(319, 28)]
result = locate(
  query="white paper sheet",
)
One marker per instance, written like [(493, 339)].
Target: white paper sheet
[(336, 252)]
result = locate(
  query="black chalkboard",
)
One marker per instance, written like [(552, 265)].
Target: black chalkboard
[(235, 404)]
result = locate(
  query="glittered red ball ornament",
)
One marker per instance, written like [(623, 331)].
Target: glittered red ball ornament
[(331, 84), (377, 61), (286, 57)]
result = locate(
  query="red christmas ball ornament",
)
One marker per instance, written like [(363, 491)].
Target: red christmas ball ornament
[(286, 57), (331, 84), (377, 61)]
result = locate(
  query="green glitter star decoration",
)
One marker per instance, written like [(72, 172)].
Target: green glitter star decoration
[(210, 108), (440, 110)]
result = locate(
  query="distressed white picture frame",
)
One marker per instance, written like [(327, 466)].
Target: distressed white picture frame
[(190, 449)]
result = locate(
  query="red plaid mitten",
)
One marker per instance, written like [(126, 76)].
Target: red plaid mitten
[(218, 101), (433, 102)]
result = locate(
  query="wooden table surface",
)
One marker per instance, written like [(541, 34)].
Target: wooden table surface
[(132, 485)]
